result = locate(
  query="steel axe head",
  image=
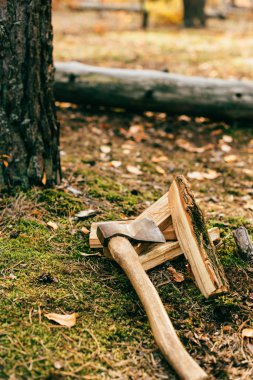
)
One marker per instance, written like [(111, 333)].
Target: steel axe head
[(143, 230)]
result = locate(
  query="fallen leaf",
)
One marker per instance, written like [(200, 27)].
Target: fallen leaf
[(247, 333), (116, 164), (249, 206), (216, 132), (74, 191), (106, 149), (137, 133), (248, 172), (52, 225), (133, 170), (196, 175), (189, 147), (230, 158), (160, 170), (86, 214), (200, 176), (184, 118), (85, 231), (176, 276), (211, 174), (44, 178), (68, 320), (227, 139), (156, 159), (225, 148)]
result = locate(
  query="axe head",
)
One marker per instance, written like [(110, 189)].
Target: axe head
[(143, 230)]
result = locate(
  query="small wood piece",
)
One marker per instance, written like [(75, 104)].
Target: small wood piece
[(166, 338), (244, 244), (152, 255), (192, 235)]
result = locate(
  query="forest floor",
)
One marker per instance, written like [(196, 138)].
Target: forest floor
[(121, 162)]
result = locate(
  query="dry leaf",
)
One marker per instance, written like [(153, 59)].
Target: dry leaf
[(159, 159), (116, 164), (160, 170), (74, 191), (216, 132), (137, 133), (230, 158), (44, 178), (247, 333), (200, 176), (227, 139), (52, 225), (249, 206), (68, 320), (176, 276), (211, 174), (86, 214), (85, 231), (225, 148), (184, 118), (106, 149), (133, 170), (189, 147)]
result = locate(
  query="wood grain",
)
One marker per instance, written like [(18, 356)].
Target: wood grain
[(192, 235)]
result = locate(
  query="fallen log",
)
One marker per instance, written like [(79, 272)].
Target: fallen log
[(150, 90)]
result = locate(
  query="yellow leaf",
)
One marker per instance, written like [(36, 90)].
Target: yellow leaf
[(44, 178), (68, 320), (160, 170)]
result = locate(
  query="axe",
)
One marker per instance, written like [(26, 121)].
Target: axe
[(143, 232), (117, 238)]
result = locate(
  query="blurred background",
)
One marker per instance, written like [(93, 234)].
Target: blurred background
[(194, 37)]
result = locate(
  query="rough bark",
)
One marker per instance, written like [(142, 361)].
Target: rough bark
[(194, 13), (244, 244), (29, 133), (149, 90)]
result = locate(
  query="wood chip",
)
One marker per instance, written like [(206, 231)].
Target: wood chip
[(230, 158), (68, 320)]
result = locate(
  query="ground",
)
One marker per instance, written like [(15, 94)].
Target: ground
[(45, 270)]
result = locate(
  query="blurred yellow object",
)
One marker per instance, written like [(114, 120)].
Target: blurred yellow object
[(166, 10)]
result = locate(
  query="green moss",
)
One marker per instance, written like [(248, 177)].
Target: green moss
[(59, 203)]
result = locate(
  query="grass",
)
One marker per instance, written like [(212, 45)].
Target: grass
[(111, 336)]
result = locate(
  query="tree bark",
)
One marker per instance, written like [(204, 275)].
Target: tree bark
[(194, 13), (29, 133), (150, 90)]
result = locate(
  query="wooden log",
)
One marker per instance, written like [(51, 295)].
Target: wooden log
[(244, 244), (141, 90), (194, 240)]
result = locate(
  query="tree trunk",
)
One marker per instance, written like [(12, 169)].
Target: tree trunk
[(150, 90), (29, 133), (194, 13)]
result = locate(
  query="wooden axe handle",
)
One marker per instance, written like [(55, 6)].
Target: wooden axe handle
[(166, 338)]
